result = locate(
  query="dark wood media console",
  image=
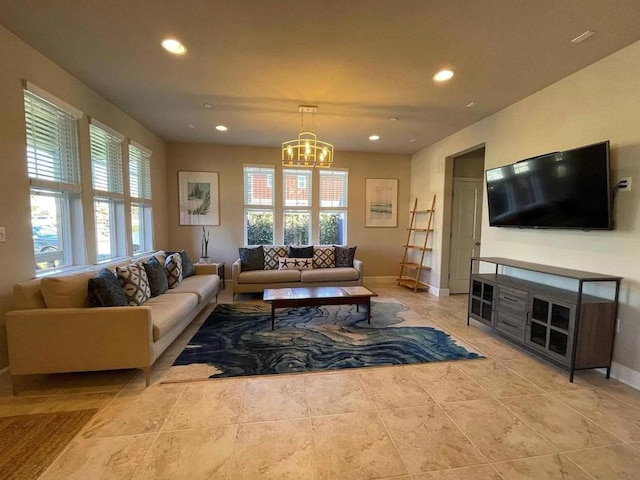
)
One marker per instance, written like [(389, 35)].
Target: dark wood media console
[(566, 326)]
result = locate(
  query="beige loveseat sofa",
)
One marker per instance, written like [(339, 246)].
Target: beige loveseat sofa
[(255, 281), (54, 330)]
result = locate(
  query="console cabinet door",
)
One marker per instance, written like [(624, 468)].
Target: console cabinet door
[(481, 304), (550, 327)]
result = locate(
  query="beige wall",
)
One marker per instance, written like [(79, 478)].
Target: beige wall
[(597, 103), (19, 61), (380, 248)]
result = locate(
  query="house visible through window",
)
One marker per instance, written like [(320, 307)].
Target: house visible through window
[(333, 207), (52, 163)]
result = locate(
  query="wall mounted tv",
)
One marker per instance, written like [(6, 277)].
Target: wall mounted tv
[(567, 190)]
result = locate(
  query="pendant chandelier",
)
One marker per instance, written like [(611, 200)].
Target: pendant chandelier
[(307, 150)]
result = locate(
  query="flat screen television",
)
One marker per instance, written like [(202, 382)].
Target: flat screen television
[(565, 190)]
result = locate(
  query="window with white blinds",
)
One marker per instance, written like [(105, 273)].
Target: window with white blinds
[(139, 173), (53, 168), (52, 145), (258, 186), (106, 162)]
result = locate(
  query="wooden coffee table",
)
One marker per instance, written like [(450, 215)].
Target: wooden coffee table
[(317, 296)]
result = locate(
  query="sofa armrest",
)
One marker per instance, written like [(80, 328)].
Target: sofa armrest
[(359, 265), (206, 268), (46, 340)]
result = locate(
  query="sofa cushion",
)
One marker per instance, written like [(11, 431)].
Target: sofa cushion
[(202, 285), (329, 275), (324, 257), (105, 291), (135, 284), (345, 256), (251, 258), (271, 255), (157, 276), (269, 276), (173, 269), (167, 311), (294, 263), (67, 291), (188, 268), (301, 252)]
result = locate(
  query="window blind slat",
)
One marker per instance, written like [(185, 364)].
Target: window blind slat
[(139, 173)]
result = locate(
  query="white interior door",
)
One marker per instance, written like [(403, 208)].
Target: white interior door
[(466, 218)]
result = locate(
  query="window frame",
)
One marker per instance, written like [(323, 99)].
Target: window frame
[(335, 209), (140, 196), (261, 206)]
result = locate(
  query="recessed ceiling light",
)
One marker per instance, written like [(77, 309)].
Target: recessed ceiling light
[(583, 36), (393, 119), (174, 46), (191, 125), (207, 105), (412, 140), (471, 104), (443, 75), (374, 137), (221, 128)]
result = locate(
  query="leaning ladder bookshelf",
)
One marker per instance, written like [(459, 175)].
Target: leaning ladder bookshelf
[(410, 271)]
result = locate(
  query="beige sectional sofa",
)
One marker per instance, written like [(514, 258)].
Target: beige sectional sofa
[(53, 329), (255, 281)]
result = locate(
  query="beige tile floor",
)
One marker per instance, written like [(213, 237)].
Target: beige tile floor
[(509, 416)]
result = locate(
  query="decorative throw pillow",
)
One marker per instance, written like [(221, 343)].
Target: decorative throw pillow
[(134, 283), (156, 275), (271, 255), (187, 265), (173, 269), (345, 256), (105, 290), (324, 257), (251, 258), (301, 252), (295, 263)]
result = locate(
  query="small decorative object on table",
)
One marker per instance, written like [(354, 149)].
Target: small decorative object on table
[(204, 257)]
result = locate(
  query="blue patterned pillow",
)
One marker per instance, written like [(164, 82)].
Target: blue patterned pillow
[(157, 277), (173, 268), (345, 256), (135, 283), (105, 290), (251, 258)]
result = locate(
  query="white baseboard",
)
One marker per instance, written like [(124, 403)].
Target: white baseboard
[(4, 370), (624, 374), (439, 292)]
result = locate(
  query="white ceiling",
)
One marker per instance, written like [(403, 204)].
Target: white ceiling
[(361, 61)]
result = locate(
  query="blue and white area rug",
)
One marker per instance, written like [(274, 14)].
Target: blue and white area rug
[(236, 340)]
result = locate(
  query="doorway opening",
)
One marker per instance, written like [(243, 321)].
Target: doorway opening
[(464, 179)]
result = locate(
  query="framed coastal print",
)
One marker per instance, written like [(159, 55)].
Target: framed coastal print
[(381, 202), (198, 196)]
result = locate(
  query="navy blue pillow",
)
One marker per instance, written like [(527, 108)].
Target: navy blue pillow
[(251, 258), (301, 252), (105, 290), (157, 276)]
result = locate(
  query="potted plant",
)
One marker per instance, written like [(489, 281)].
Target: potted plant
[(204, 254)]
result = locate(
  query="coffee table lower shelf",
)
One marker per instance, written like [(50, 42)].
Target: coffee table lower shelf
[(316, 297)]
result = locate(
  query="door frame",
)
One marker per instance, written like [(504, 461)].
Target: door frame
[(446, 215)]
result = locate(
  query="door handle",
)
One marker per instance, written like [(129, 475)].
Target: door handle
[(477, 244), (528, 318)]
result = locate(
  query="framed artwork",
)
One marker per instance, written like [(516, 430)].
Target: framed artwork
[(198, 197), (381, 202)]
